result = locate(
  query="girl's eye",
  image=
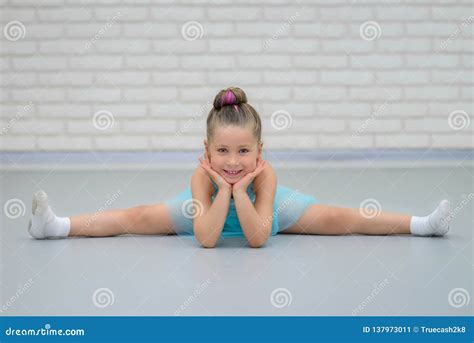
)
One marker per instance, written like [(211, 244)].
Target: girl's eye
[(224, 150)]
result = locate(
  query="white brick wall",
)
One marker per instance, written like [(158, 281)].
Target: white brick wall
[(405, 81)]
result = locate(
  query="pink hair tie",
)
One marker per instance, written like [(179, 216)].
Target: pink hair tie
[(229, 98)]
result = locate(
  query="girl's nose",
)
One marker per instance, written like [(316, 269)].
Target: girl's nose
[(232, 165), (232, 161)]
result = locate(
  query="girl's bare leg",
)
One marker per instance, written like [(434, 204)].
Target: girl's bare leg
[(145, 220), (332, 220)]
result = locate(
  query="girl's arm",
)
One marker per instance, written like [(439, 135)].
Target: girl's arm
[(256, 219), (210, 216)]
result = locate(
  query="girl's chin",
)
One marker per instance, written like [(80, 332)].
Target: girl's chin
[(232, 180)]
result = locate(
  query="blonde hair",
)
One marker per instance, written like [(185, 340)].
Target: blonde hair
[(231, 108)]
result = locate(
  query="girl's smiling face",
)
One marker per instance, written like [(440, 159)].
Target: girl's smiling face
[(233, 152)]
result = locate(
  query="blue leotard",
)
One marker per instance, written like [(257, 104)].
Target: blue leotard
[(288, 207)]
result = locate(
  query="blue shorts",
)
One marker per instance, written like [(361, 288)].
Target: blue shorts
[(289, 205)]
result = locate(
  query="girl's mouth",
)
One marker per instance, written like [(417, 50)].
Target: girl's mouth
[(232, 173)]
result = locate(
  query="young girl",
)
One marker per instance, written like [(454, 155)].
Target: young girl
[(234, 192)]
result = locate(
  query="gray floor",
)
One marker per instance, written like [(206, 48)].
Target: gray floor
[(168, 275)]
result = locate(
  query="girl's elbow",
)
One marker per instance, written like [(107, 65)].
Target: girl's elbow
[(205, 241), (257, 243), (208, 246)]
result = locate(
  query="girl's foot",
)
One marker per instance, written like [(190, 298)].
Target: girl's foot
[(435, 224), (44, 223)]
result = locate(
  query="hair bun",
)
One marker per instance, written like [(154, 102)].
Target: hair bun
[(229, 97)]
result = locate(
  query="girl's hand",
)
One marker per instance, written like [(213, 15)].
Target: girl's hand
[(244, 182), (218, 179)]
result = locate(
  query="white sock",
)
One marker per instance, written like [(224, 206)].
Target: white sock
[(44, 223), (435, 224)]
